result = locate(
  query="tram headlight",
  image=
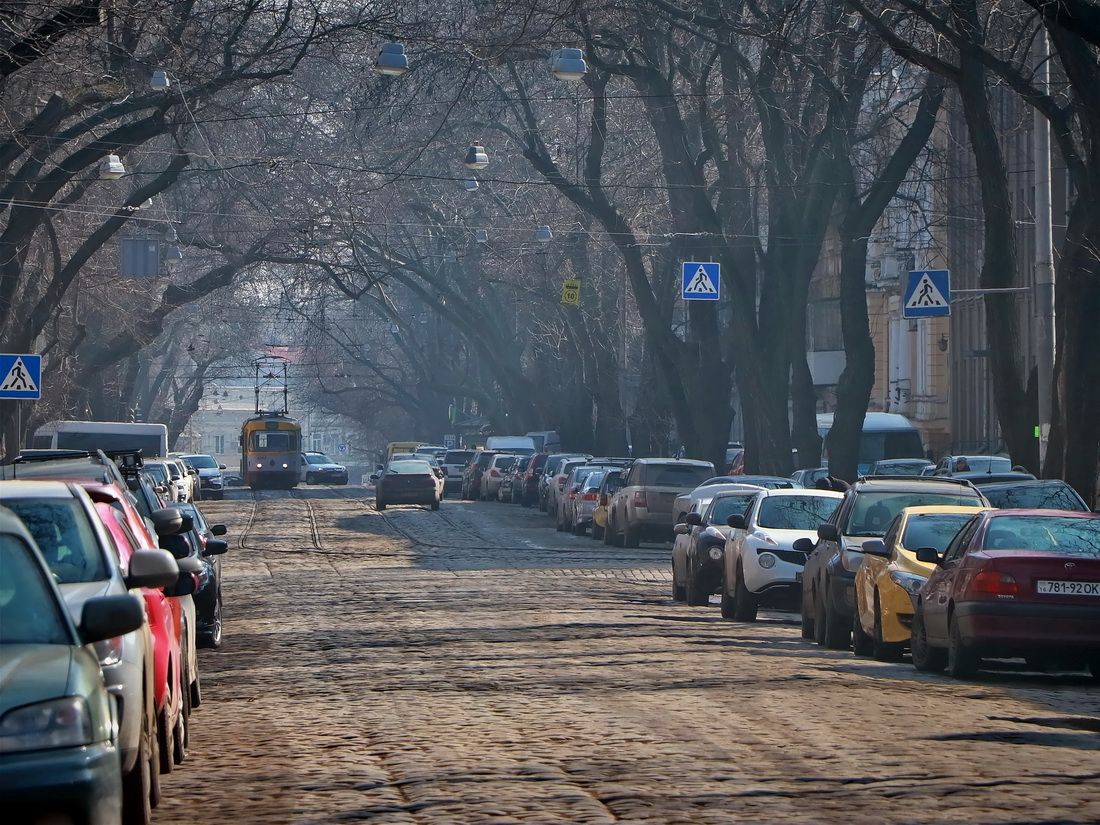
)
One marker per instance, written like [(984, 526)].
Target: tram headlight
[(259, 465), (285, 465)]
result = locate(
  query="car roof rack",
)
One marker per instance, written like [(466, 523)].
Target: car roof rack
[(28, 456)]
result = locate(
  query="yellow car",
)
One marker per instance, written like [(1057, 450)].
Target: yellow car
[(890, 577)]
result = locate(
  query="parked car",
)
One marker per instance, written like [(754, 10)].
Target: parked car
[(527, 492), (643, 506), (161, 480), (951, 465), (609, 485), (190, 477), (511, 480), (210, 478), (180, 479), (80, 554), (899, 467), (556, 488), (699, 547), (809, 477), (702, 495), (1012, 584), (454, 462), (828, 580), (494, 474), (761, 564), (890, 578), (579, 499), (551, 475), (318, 468), (474, 472), (407, 481), (60, 759), (1034, 494), (205, 545)]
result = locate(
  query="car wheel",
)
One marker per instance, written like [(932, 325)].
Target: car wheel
[(926, 658), (1094, 668), (962, 661), (559, 524), (194, 694), (141, 786), (310, 478), (745, 606), (631, 537), (807, 619), (435, 504), (165, 743), (882, 650), (862, 644), (212, 638), (609, 532), (729, 603), (180, 734), (185, 695), (597, 531), (379, 504), (819, 621), (838, 633), (696, 596), (579, 528)]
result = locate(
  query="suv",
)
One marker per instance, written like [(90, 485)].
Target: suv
[(454, 462), (471, 475), (83, 559), (828, 578), (643, 506), (318, 468), (211, 481)]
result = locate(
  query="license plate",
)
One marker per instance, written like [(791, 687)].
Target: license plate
[(1068, 588)]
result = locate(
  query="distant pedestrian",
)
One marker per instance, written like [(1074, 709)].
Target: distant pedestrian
[(838, 485), (962, 465)]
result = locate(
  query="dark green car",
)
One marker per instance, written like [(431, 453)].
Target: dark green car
[(58, 756)]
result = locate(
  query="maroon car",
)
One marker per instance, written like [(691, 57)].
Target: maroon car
[(1011, 584), (407, 481)]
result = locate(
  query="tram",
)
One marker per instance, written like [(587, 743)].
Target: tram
[(271, 451), (271, 441)]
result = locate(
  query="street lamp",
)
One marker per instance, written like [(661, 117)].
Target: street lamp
[(470, 184), (481, 236), (392, 60), (476, 157), (543, 235), (567, 64), (111, 168), (160, 81)]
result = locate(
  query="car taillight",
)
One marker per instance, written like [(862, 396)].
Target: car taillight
[(588, 497), (639, 498), (493, 472), (993, 583)]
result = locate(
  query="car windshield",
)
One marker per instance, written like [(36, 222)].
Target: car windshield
[(64, 536), (29, 614), (722, 507), (1054, 495), (157, 472), (318, 458), (933, 530), (204, 461), (873, 511), (678, 476), (795, 512), (1055, 534), (409, 466)]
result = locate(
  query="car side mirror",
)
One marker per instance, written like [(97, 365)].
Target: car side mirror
[(929, 555), (105, 617), (828, 532), (681, 529), (152, 568), (736, 521), (215, 547), (218, 529), (693, 519), (374, 477), (222, 467), (167, 521), (876, 547), (803, 545)]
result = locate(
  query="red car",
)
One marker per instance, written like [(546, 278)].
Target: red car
[(1011, 584)]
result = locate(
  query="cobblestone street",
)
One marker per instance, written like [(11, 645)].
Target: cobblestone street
[(472, 665)]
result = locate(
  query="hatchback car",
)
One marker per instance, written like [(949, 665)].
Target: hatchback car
[(407, 481), (889, 581), (1011, 584), (828, 579), (59, 761), (494, 473)]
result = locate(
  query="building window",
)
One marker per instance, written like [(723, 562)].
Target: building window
[(219, 444)]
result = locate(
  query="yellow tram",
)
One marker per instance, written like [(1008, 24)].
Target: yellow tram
[(271, 451)]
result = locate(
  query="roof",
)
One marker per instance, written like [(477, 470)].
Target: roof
[(909, 483), (39, 489), (872, 421)]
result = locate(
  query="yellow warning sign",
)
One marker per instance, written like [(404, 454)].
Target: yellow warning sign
[(571, 291)]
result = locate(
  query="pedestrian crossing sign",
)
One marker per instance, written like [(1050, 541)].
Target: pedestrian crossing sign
[(928, 294), (20, 376), (701, 281)]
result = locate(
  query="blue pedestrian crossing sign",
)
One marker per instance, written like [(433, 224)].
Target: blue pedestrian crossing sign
[(20, 376), (928, 294), (701, 281)]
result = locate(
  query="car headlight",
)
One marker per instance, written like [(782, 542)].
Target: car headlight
[(715, 553), (766, 560), (109, 651), (58, 723), (908, 582)]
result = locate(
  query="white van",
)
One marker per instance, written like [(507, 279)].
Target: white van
[(546, 441), (885, 435), (519, 444)]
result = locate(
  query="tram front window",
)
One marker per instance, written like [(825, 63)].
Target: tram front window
[(273, 442)]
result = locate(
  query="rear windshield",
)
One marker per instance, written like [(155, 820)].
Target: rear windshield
[(458, 456), (61, 529), (421, 467), (1052, 496), (678, 476), (318, 458), (873, 511), (933, 530), (1055, 534), (203, 461), (796, 512)]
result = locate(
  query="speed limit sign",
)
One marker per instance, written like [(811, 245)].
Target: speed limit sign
[(571, 291)]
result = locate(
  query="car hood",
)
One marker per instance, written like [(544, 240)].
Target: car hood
[(209, 472), (324, 466), (77, 593), (33, 673), (783, 538)]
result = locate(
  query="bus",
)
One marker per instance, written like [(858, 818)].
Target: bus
[(885, 435), (151, 439)]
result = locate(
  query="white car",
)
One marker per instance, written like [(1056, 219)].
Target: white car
[(701, 496), (761, 564)]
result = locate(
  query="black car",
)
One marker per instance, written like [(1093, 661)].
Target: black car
[(205, 545), (828, 579), (1034, 494)]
